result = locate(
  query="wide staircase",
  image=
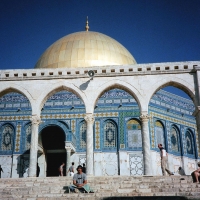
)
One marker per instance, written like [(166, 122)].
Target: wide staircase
[(105, 188)]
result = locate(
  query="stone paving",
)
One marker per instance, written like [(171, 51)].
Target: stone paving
[(105, 188)]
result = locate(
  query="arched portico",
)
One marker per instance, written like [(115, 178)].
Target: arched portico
[(141, 81), (173, 129)]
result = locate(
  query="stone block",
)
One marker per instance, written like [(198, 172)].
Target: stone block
[(125, 190), (183, 181), (195, 194), (30, 196), (164, 194), (49, 195), (188, 189), (144, 186), (126, 185), (183, 193), (176, 185), (140, 190), (186, 185)]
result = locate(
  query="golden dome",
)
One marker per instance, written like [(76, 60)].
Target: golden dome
[(85, 49)]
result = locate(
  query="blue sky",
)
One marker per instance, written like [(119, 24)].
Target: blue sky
[(152, 30)]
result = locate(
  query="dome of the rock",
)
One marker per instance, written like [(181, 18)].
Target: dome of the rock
[(85, 49)]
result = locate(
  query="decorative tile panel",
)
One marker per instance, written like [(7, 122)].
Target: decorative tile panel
[(183, 139), (18, 135), (122, 116), (152, 131), (136, 164), (174, 139), (159, 134), (7, 138), (62, 116), (108, 114), (73, 126), (134, 134), (168, 128), (13, 118), (190, 123), (110, 134), (82, 159), (189, 143), (97, 135), (82, 135), (28, 137)]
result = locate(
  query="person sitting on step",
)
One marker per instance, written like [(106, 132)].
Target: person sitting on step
[(80, 182), (181, 171), (196, 174)]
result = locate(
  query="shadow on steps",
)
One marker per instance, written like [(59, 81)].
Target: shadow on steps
[(147, 198)]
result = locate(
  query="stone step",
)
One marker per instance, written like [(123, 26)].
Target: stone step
[(104, 187)]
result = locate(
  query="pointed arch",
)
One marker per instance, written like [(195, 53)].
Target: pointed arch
[(20, 90), (118, 84), (57, 88), (159, 128), (178, 84), (190, 143), (134, 134), (175, 139), (109, 134), (7, 135)]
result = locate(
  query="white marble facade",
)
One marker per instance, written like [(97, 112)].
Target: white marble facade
[(140, 80)]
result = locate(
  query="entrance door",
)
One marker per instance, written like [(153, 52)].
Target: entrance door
[(53, 141), (54, 160)]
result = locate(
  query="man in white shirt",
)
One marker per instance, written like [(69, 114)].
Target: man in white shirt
[(71, 169), (163, 156)]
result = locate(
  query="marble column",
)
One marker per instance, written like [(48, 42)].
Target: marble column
[(68, 163), (146, 144), (34, 146), (196, 114), (89, 118)]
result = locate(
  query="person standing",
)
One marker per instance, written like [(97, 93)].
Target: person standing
[(1, 170), (84, 168), (61, 169), (38, 170), (71, 169), (163, 156)]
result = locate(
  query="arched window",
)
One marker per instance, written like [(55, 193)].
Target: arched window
[(189, 143), (174, 135), (28, 137), (159, 134), (134, 134), (83, 129), (110, 134), (7, 138)]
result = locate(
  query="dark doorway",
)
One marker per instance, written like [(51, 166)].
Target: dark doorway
[(53, 141)]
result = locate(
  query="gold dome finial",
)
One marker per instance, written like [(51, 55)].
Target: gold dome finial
[(87, 27)]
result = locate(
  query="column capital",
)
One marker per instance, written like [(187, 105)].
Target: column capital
[(35, 119), (196, 112), (69, 146), (89, 118), (144, 117)]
